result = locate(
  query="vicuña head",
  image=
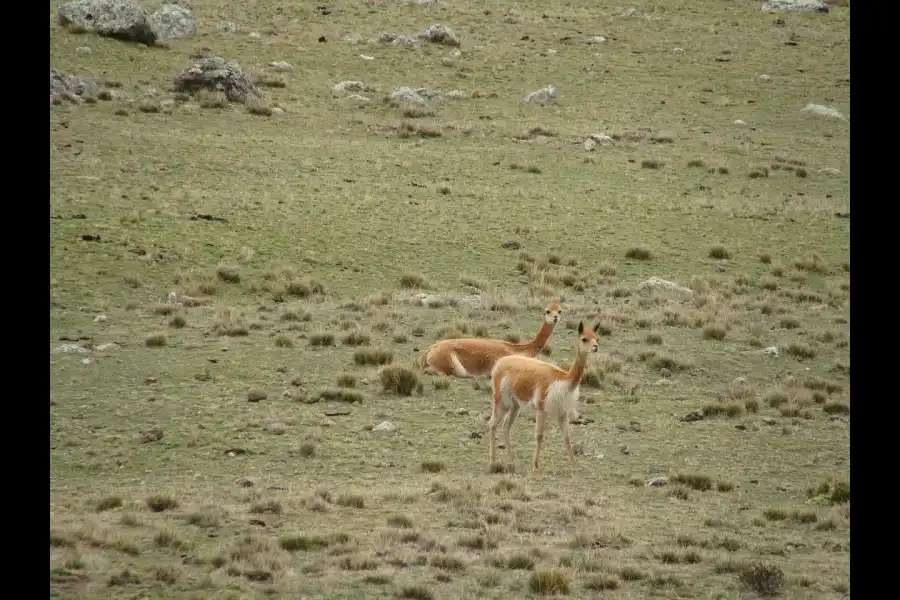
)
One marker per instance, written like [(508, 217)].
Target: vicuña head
[(519, 380), (473, 357)]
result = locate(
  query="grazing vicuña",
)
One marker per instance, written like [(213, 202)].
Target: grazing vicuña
[(524, 380), (472, 357)]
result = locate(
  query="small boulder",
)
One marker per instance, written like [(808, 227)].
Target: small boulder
[(217, 74), (350, 86), (280, 65), (71, 88), (543, 95), (440, 34), (256, 395), (384, 426), (121, 19), (173, 22), (773, 6), (818, 110)]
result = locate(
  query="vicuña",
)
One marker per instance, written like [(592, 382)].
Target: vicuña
[(518, 380), (473, 357)]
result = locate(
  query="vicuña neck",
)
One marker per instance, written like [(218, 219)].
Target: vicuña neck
[(577, 368), (535, 345)]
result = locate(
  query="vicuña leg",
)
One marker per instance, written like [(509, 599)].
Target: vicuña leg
[(564, 427), (510, 419), (497, 415), (539, 422)]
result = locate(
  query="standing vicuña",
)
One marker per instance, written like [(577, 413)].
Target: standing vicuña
[(518, 380), (473, 357)]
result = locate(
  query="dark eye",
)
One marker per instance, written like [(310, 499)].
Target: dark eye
[(559, 312), (584, 340), (547, 312)]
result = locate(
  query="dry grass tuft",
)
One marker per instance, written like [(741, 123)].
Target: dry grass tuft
[(549, 582), (366, 357), (639, 253), (400, 380), (156, 340)]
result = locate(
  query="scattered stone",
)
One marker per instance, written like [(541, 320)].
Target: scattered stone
[(328, 423), (350, 86), (384, 426), (366, 57), (244, 482), (256, 395), (462, 411), (100, 319), (276, 427), (173, 22), (596, 140), (657, 481), (150, 380), (85, 361), (625, 450), (458, 94), (440, 34), (351, 38), (597, 39), (254, 35), (511, 245), (280, 65), (741, 427), (338, 412), (656, 283), (678, 51), (277, 110), (107, 346), (217, 74), (71, 348), (543, 95), (235, 452), (257, 522), (773, 6), (829, 170), (83, 49), (151, 435), (740, 122), (125, 20), (359, 98), (772, 351), (819, 110), (692, 416), (71, 88), (635, 425), (770, 420), (665, 372), (581, 420), (765, 78), (578, 448)]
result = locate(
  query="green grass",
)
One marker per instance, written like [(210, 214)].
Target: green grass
[(338, 213)]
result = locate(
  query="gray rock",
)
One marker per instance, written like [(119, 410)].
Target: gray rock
[(173, 22), (350, 86), (405, 94), (818, 110), (71, 88), (384, 426), (543, 95), (458, 94), (657, 481), (440, 34), (217, 74), (773, 6), (280, 65), (83, 49), (121, 19)]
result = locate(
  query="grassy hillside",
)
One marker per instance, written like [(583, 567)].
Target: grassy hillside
[(320, 223)]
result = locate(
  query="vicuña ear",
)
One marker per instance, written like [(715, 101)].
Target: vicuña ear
[(596, 327), (580, 327)]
